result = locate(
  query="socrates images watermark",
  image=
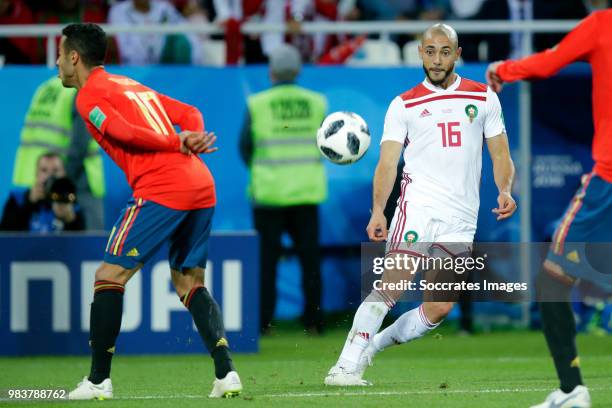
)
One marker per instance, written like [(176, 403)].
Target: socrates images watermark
[(407, 265)]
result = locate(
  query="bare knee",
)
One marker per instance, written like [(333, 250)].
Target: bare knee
[(436, 311), (115, 273), (187, 279)]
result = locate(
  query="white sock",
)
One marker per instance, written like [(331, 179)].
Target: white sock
[(409, 326), (367, 322)]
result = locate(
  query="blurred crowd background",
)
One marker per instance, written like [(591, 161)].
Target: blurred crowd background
[(231, 47)]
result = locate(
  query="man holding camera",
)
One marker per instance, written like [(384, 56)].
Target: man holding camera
[(48, 206)]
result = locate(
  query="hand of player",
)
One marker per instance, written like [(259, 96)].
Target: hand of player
[(493, 79), (197, 142), (201, 142), (506, 206), (377, 227)]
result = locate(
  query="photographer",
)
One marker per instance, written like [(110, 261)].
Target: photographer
[(48, 206)]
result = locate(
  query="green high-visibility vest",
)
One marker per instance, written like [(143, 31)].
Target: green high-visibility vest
[(48, 128), (286, 167)]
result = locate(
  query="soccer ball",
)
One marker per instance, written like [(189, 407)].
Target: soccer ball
[(343, 137)]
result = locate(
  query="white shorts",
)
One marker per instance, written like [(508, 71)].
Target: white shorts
[(417, 230)]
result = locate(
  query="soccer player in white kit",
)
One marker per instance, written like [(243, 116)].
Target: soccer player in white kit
[(441, 125)]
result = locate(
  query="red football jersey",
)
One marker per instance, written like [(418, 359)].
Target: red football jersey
[(590, 41), (135, 126)]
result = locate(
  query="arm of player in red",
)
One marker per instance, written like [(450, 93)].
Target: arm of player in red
[(575, 46), (137, 136), (104, 117), (187, 117)]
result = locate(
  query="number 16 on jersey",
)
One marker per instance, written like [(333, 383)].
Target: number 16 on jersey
[(451, 137)]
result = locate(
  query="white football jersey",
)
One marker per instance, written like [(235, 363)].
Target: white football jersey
[(442, 131)]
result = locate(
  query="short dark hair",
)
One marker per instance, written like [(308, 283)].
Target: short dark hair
[(89, 40)]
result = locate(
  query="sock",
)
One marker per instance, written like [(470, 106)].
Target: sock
[(104, 326), (367, 322), (409, 326), (208, 320), (559, 329), (560, 332)]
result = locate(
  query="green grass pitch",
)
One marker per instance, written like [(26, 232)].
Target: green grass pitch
[(503, 369)]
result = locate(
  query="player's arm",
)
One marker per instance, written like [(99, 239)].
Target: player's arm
[(187, 117), (499, 150), (503, 172), (99, 112), (190, 120), (385, 174), (394, 134), (575, 46)]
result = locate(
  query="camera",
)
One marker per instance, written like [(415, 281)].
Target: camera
[(60, 190)]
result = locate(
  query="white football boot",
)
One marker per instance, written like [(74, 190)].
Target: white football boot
[(578, 398), (341, 377), (86, 390), (227, 387)]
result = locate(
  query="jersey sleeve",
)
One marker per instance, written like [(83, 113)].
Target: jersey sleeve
[(494, 117), (95, 109), (577, 45), (187, 117), (396, 127), (99, 113)]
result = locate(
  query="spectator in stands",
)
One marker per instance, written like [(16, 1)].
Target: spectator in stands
[(403, 9), (73, 11), (140, 49), (555, 10), (53, 124), (287, 180), (17, 50), (48, 206), (594, 5), (487, 47), (294, 13), (231, 14)]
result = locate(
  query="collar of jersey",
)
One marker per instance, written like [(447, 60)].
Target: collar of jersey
[(434, 88), (96, 71)]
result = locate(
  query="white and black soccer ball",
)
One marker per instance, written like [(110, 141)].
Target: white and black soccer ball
[(343, 137)]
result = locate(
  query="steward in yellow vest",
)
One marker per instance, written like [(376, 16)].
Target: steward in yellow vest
[(52, 125), (287, 179)]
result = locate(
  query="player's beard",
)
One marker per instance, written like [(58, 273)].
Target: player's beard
[(447, 73)]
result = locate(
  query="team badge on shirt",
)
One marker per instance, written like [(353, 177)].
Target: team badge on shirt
[(411, 236), (471, 111), (97, 117)]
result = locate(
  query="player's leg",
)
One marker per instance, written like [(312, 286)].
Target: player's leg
[(188, 255), (105, 317), (588, 219), (104, 325), (303, 227), (269, 223), (455, 241), (559, 329), (372, 311), (412, 325), (189, 285), (139, 231), (417, 322), (368, 319)]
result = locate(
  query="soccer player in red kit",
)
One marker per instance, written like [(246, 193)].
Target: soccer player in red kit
[(589, 216), (173, 201)]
